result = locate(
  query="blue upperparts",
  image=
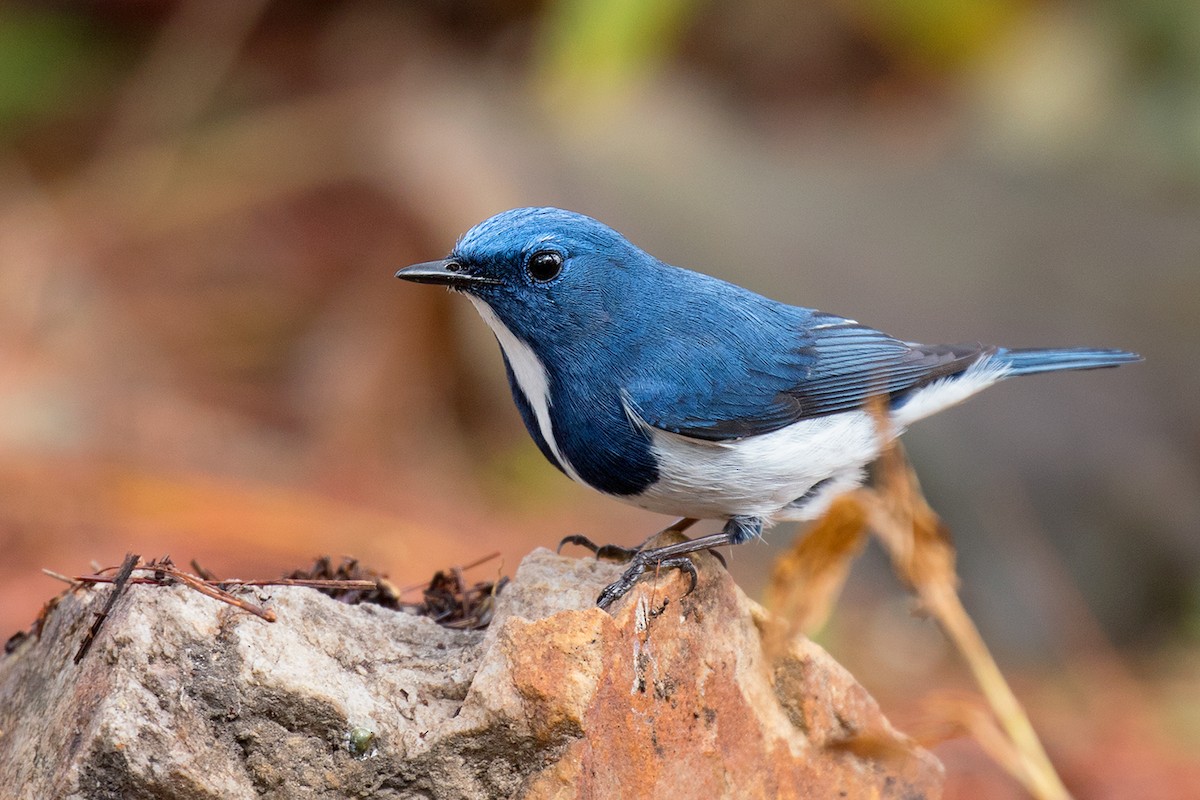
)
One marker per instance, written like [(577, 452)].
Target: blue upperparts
[(688, 353)]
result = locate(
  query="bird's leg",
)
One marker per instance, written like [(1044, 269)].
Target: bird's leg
[(736, 531), (616, 552)]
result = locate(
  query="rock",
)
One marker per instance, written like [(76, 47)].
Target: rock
[(184, 697)]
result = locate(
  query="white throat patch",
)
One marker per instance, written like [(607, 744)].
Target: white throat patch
[(531, 377)]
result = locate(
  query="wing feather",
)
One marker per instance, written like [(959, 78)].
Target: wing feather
[(820, 365)]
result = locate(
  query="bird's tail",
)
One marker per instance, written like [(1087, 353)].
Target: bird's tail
[(1043, 359)]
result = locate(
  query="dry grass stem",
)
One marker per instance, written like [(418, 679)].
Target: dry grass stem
[(807, 580), (923, 556)]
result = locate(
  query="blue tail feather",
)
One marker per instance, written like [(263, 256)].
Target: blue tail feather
[(1041, 359)]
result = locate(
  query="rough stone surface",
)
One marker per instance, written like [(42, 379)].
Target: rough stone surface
[(184, 697)]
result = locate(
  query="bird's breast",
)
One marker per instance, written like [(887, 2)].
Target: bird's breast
[(575, 418)]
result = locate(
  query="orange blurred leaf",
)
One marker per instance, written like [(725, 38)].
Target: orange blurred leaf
[(806, 580)]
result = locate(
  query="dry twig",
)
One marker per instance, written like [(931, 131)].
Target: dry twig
[(807, 581), (923, 556), (120, 583), (447, 598), (163, 571)]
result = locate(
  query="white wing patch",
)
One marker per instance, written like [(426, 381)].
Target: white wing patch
[(531, 376)]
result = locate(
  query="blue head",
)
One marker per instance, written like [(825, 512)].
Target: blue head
[(555, 278), (566, 297)]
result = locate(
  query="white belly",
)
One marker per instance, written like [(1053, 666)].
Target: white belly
[(770, 475), (762, 476)]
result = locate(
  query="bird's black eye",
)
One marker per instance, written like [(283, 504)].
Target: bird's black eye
[(545, 265)]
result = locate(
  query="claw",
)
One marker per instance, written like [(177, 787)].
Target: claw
[(613, 592), (621, 586), (609, 552), (582, 541), (685, 564)]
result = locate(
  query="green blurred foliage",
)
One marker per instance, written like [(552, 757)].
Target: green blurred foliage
[(50, 62), (1164, 37), (596, 48), (940, 34), (1162, 51)]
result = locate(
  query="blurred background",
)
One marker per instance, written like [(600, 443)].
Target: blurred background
[(203, 351)]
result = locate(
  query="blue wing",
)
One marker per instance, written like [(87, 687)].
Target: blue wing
[(780, 365)]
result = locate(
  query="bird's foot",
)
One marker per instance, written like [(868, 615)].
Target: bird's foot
[(639, 564), (620, 553), (675, 555), (610, 552), (671, 556)]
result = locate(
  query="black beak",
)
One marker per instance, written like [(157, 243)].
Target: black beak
[(445, 273)]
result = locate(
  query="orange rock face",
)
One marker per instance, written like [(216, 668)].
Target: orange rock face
[(674, 696)]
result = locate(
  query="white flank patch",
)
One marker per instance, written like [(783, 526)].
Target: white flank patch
[(531, 377), (761, 476)]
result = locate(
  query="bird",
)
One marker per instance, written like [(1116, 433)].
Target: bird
[(684, 394)]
